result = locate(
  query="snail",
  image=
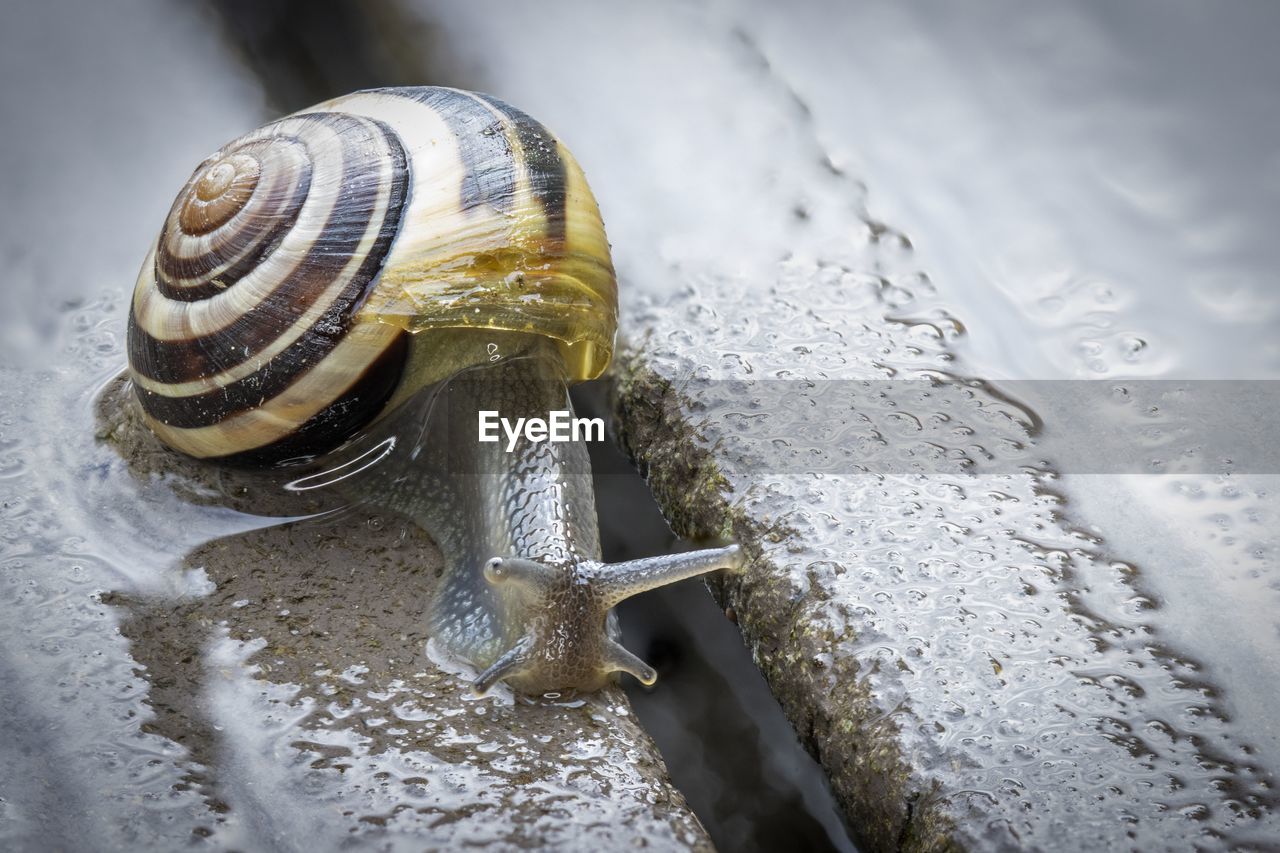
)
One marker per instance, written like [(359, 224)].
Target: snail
[(316, 274)]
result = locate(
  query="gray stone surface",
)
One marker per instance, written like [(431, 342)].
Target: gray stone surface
[(970, 667)]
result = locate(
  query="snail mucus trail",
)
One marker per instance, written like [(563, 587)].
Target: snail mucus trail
[(325, 270)]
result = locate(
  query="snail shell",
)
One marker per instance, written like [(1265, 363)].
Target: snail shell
[(276, 314)]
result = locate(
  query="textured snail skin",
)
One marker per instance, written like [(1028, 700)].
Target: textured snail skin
[(524, 595), (322, 271)]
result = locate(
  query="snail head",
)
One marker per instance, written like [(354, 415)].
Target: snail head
[(566, 643)]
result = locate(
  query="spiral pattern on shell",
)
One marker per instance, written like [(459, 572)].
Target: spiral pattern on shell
[(273, 317)]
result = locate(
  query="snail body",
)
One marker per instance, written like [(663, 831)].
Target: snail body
[(317, 273), (525, 595)]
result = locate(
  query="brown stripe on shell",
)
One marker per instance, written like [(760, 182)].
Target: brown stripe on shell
[(189, 359), (488, 164), (548, 177), (342, 419), (247, 238), (277, 374)]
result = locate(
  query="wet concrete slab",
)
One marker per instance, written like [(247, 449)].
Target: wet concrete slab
[(832, 227), (969, 665), (190, 656)]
